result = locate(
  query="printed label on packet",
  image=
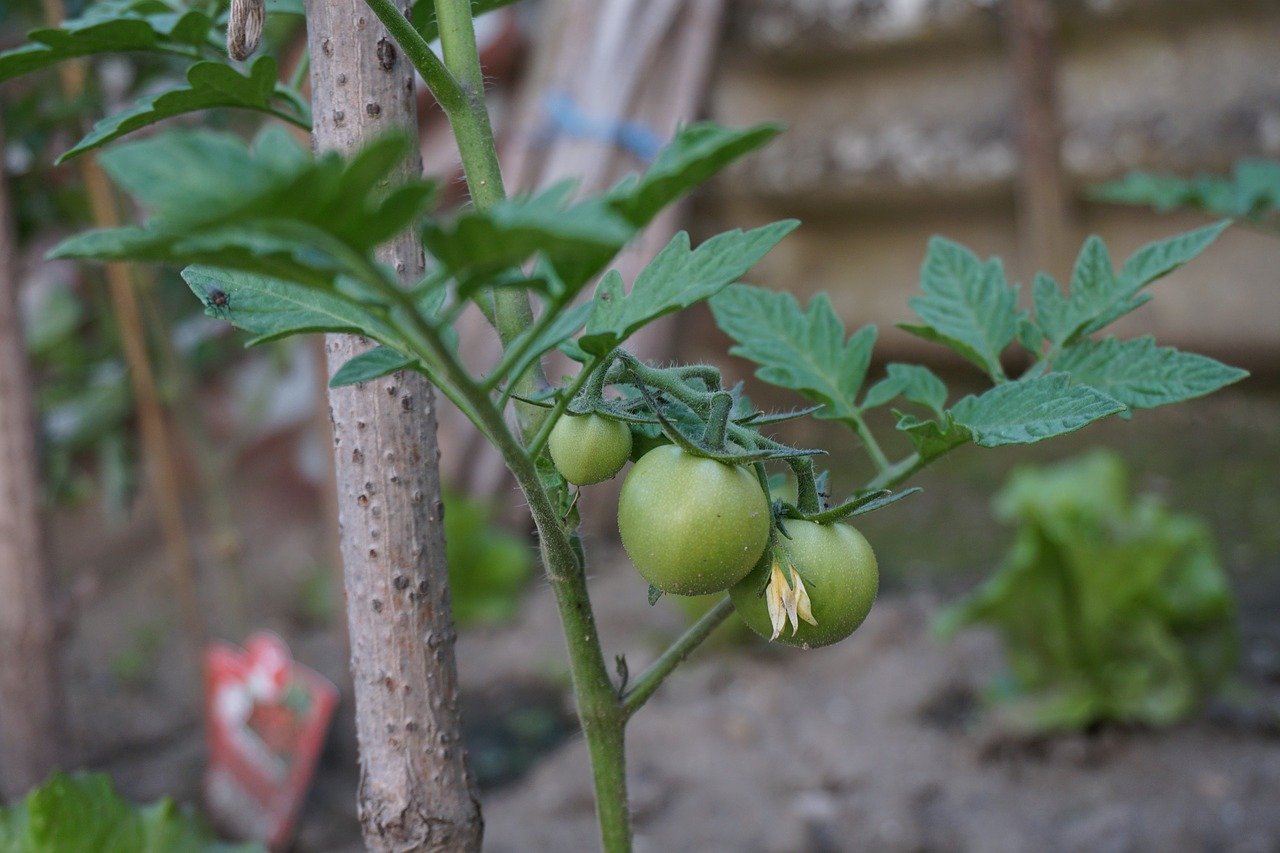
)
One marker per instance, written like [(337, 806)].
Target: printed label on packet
[(266, 717)]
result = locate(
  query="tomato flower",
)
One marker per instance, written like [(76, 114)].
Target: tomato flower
[(787, 603)]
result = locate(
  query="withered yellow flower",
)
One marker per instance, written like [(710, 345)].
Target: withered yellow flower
[(787, 604)]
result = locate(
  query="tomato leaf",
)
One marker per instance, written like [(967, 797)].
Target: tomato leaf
[(931, 439), (677, 278), (209, 85), (1251, 192), (272, 210), (1031, 410), (967, 305), (128, 30), (577, 239), (913, 382), (1099, 295), (1142, 375), (271, 308), (694, 155), (804, 350), (368, 365)]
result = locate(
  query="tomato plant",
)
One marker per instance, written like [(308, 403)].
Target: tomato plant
[(280, 243), (692, 525), (822, 579), (589, 449)]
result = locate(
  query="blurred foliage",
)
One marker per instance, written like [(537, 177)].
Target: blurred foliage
[(488, 566), (81, 813), (1110, 608), (1250, 193), (89, 445)]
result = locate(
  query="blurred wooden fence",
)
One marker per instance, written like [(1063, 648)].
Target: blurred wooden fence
[(908, 118)]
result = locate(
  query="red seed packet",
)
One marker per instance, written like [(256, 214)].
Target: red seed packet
[(266, 717)]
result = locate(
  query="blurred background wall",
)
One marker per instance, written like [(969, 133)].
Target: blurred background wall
[(913, 117)]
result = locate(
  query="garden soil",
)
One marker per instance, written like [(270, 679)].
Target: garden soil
[(883, 742)]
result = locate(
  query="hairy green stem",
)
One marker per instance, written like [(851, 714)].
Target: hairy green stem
[(656, 673), (599, 707), (899, 472), (543, 434), (717, 420), (807, 500)]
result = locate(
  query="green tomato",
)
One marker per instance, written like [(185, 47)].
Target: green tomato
[(692, 525), (839, 572), (589, 449)]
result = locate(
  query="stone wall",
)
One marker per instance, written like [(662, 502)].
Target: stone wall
[(902, 123)]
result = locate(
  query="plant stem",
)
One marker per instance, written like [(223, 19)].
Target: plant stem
[(540, 438), (860, 428), (656, 673), (599, 707), (469, 119), (899, 472)]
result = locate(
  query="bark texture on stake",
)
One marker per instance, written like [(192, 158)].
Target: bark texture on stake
[(416, 792), (30, 699)]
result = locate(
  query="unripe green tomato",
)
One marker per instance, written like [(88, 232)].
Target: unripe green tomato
[(840, 574), (692, 525), (589, 449)]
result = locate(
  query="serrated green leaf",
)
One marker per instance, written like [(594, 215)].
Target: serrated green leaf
[(1032, 410), (967, 305), (1142, 375), (563, 328), (93, 34), (695, 154), (933, 438), (209, 85), (1053, 309), (187, 177), (914, 382), (273, 211), (677, 278), (368, 365), (1159, 258), (1099, 296), (271, 308), (478, 244), (804, 350)]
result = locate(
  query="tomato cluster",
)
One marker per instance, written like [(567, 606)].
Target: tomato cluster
[(693, 525)]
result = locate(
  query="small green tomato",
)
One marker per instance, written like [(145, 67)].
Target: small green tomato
[(837, 583), (692, 525), (589, 449)]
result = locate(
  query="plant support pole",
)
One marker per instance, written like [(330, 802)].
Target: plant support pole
[(416, 790), (30, 694)]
